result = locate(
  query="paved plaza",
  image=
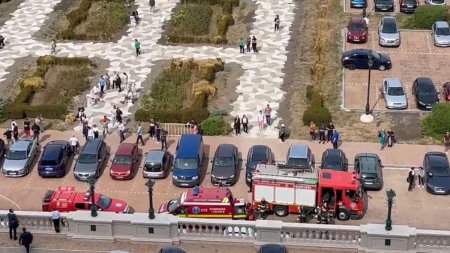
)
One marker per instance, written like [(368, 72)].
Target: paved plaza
[(260, 84)]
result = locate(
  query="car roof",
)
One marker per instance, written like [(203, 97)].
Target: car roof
[(51, 151), (171, 250), (272, 248), (441, 24), (334, 153), (298, 151), (387, 19), (357, 20), (359, 51), (424, 81), (21, 144), (259, 149), (91, 146), (189, 146), (225, 150), (125, 149), (437, 158), (155, 156), (393, 82)]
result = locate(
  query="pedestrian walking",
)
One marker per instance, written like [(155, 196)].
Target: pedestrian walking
[(244, 122), (96, 131), (140, 132), (164, 135), (242, 45), (322, 131), (107, 81), (119, 83), (135, 15), (237, 125), (421, 177), (390, 138), (16, 133), (90, 134), (13, 224), (2, 41), (27, 127), (268, 113), (282, 133), (36, 132), (125, 81), (26, 238), (56, 218), (277, 22), (254, 45), (53, 52), (158, 131), (447, 141), (114, 80), (39, 120), (312, 131), (8, 135), (249, 43), (113, 115), (411, 179), (121, 128), (330, 131), (137, 47), (119, 114), (382, 138), (152, 129), (105, 122), (152, 3), (85, 131), (101, 85), (260, 120), (74, 144), (335, 139)]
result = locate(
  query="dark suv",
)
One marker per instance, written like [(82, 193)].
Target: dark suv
[(359, 59), (225, 165), (384, 5), (257, 154), (90, 160), (408, 6), (54, 159), (437, 173), (334, 159)]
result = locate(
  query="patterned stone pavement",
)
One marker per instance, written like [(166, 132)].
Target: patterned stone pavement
[(258, 86)]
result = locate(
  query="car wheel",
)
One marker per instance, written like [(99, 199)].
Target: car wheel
[(281, 211), (343, 214), (382, 67), (351, 66)]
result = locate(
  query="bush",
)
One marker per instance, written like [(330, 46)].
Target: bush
[(36, 82), (437, 122), (425, 16), (15, 111), (180, 116), (25, 95), (191, 19), (215, 125), (318, 115)]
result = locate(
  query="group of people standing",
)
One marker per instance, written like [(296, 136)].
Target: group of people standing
[(386, 138), (264, 120), (29, 131), (327, 133), (251, 44), (155, 131), (416, 175)]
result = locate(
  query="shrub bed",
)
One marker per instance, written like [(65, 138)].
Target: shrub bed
[(191, 22), (437, 123), (215, 125), (181, 92), (70, 83), (425, 16)]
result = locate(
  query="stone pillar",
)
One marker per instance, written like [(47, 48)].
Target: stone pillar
[(374, 237), (83, 226), (164, 228), (268, 231)]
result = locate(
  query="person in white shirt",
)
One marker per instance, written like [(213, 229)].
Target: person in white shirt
[(73, 143), (56, 219), (121, 132), (91, 134), (260, 120), (95, 129)]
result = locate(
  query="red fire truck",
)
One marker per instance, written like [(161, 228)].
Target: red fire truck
[(291, 189), (202, 202)]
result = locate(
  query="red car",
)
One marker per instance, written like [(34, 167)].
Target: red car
[(446, 89), (125, 162), (358, 32)]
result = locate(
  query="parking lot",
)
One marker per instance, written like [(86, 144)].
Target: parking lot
[(416, 56), (26, 193), (371, 7)]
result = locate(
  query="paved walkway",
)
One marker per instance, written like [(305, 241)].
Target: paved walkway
[(259, 85)]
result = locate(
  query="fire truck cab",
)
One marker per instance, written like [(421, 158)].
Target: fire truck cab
[(292, 189), (202, 202)]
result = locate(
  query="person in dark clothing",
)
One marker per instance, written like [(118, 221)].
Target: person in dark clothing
[(13, 223), (152, 129), (330, 130), (16, 133), (158, 132), (135, 15), (36, 131), (254, 45), (237, 125), (26, 238), (8, 135), (411, 179), (249, 42), (118, 83), (282, 133), (85, 131), (2, 40), (276, 21), (244, 122), (390, 138), (322, 131), (163, 136), (119, 115), (27, 127)]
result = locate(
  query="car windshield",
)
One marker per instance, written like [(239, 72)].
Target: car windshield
[(444, 31), (122, 159), (16, 155), (368, 164), (48, 163), (87, 158), (440, 171), (389, 27), (259, 156), (357, 26), (298, 161), (185, 164), (104, 201), (427, 90), (396, 91), (224, 161), (384, 1), (153, 167), (410, 1), (375, 55), (173, 205), (333, 164)]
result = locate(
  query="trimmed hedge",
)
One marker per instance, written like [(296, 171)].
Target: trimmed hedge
[(215, 125), (437, 123), (425, 16), (316, 111), (181, 116)]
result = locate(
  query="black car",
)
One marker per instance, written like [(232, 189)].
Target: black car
[(359, 59), (257, 154), (272, 248), (54, 160), (425, 93), (225, 165), (384, 5), (334, 159), (171, 250), (408, 6), (369, 168), (437, 172)]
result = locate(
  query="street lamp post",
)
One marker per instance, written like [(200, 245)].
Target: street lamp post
[(151, 212), (91, 182), (390, 198), (370, 62)]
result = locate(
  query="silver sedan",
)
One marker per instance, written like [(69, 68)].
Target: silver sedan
[(441, 34), (389, 32), (394, 94)]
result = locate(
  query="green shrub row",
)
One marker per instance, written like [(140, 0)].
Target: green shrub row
[(16, 111), (180, 116), (215, 125), (437, 123), (425, 16), (78, 15), (316, 111)]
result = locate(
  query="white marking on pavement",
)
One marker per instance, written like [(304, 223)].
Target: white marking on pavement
[(17, 205), (428, 42)]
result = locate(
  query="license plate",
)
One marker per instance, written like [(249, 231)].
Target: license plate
[(428, 107), (184, 184), (48, 169), (369, 183), (356, 40), (384, 9), (13, 172), (410, 6), (440, 191)]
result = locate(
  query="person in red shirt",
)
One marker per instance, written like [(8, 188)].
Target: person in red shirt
[(267, 113)]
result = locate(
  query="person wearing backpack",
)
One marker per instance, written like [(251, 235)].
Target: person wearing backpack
[(26, 238), (277, 21), (13, 224)]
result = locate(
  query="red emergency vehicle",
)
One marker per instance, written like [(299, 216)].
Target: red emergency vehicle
[(202, 202), (290, 189), (66, 199)]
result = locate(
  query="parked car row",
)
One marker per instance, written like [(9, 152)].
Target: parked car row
[(406, 6)]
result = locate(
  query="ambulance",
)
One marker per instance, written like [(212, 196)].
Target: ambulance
[(202, 202), (293, 189)]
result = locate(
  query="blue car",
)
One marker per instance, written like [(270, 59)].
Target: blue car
[(437, 173), (188, 161), (357, 3), (54, 159)]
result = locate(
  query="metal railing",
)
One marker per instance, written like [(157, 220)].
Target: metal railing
[(177, 129)]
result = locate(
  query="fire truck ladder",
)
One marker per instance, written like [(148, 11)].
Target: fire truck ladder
[(287, 173)]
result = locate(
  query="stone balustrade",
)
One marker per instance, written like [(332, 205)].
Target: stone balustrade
[(173, 230)]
